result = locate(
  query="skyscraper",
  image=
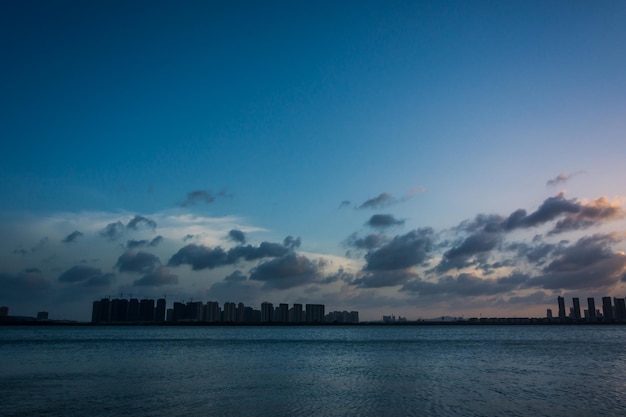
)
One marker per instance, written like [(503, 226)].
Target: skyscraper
[(576, 302), (607, 308), (561, 302), (159, 312), (267, 312), (591, 305)]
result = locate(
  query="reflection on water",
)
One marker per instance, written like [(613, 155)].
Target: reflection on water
[(274, 371)]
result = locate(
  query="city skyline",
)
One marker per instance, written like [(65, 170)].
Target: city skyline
[(417, 159)]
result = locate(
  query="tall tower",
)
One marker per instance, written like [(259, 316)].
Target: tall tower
[(576, 302), (561, 302), (607, 308), (591, 305)]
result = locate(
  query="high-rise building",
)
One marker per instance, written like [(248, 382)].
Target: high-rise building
[(267, 312), (133, 309), (4, 312), (212, 313), (591, 305), (240, 313), (315, 313), (282, 313), (620, 309), (159, 312), (576, 302), (228, 315), (607, 308), (95, 312), (295, 314), (146, 309), (561, 302), (119, 310), (104, 309)]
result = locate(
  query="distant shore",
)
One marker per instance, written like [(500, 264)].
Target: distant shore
[(31, 321)]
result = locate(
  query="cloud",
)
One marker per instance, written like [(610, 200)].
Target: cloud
[(198, 196), (289, 271), (535, 254), (138, 222), (550, 209), (113, 230), (202, 257), (24, 285), (140, 262), (562, 178), (39, 246), (89, 275), (116, 229), (461, 256), (368, 242), (589, 263), (596, 212), (383, 221), (382, 200), (344, 204), (291, 242), (133, 244), (236, 276), (385, 278), (465, 285), (72, 237), (161, 276), (402, 251), (237, 236)]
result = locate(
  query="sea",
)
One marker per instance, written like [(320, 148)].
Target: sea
[(430, 370)]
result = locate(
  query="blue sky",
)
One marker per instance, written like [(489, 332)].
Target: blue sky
[(395, 140)]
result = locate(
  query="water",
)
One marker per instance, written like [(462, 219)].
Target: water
[(326, 371)]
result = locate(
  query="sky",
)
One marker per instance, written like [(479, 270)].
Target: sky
[(412, 158)]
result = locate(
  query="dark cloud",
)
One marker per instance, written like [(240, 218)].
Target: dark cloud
[(340, 275), (562, 178), (402, 251), (39, 246), (382, 200), (384, 278), (113, 230), (291, 242), (26, 285), (589, 263), (133, 244), (289, 271), (236, 276), (383, 220), (596, 212), (161, 276), (536, 254), (117, 229), (72, 237), (344, 204), (202, 257), (550, 209), (368, 242), (237, 236), (198, 196), (491, 223), (465, 285), (463, 255), (89, 275), (140, 262), (138, 222)]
